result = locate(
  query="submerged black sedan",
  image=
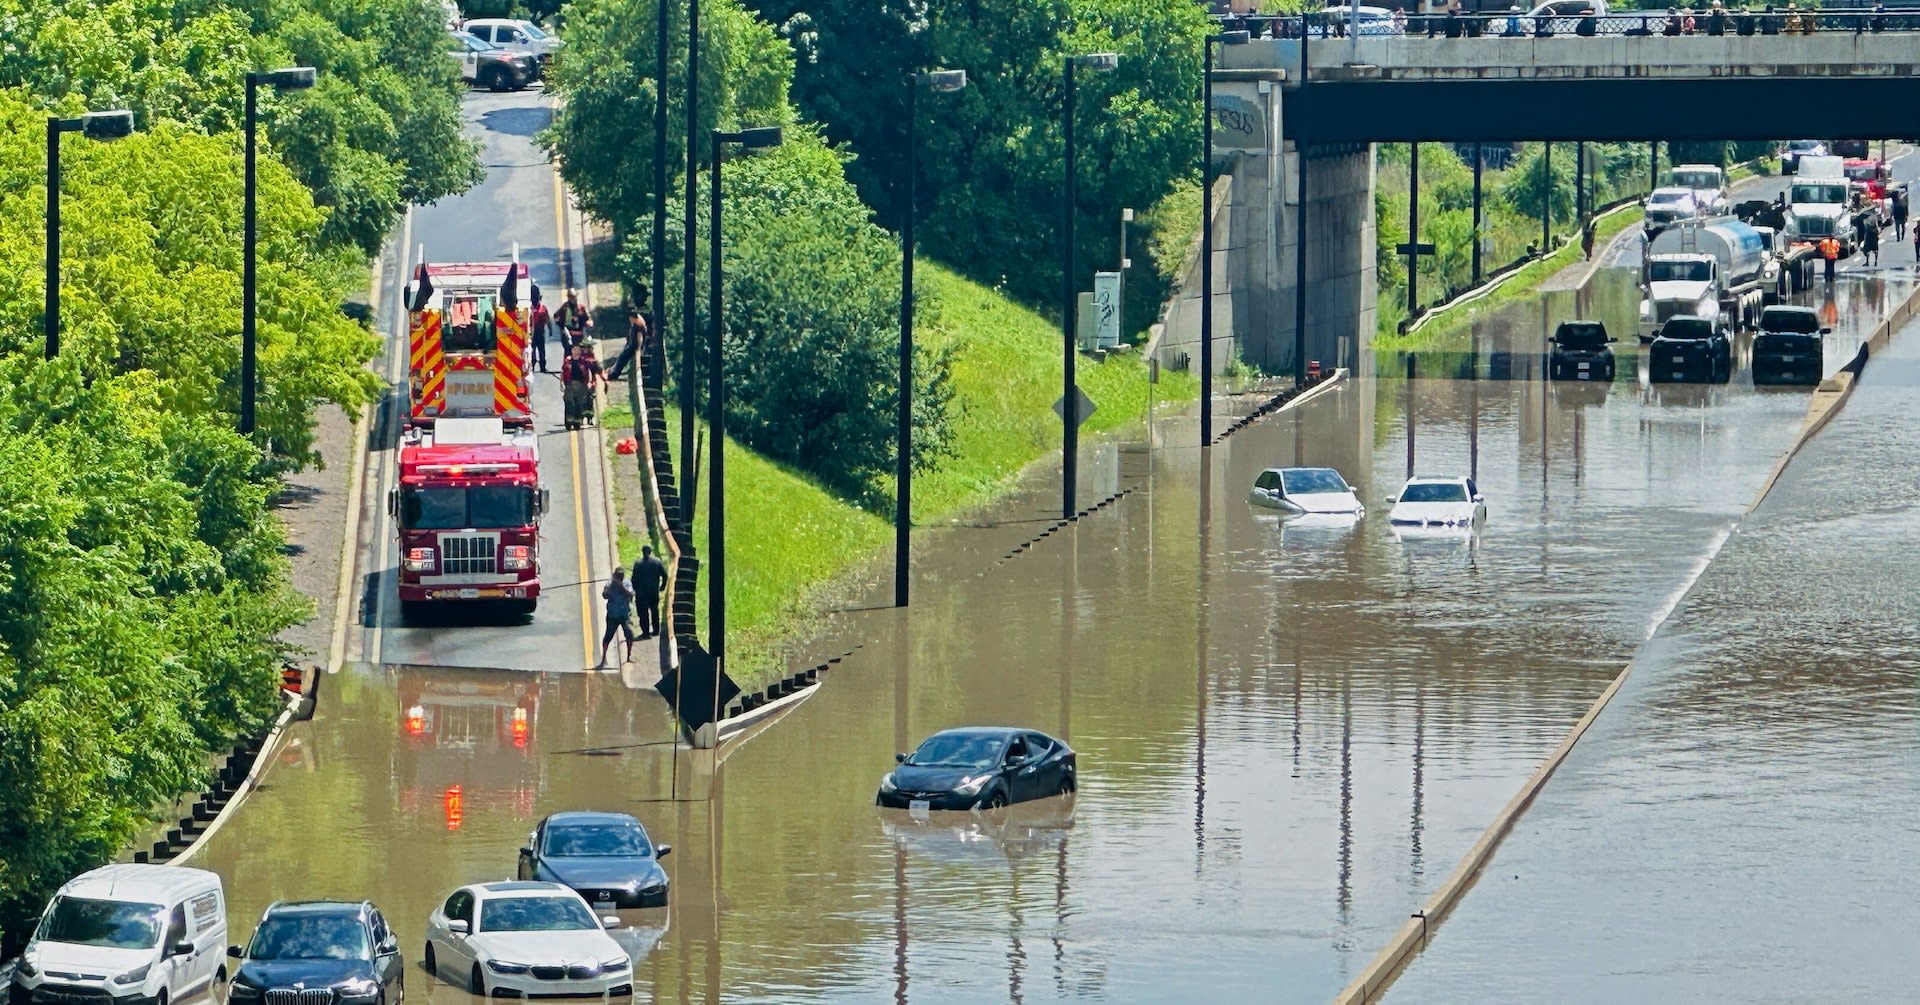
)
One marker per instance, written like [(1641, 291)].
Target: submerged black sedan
[(979, 768), (605, 857)]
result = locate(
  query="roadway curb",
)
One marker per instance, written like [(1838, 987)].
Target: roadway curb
[(261, 762), (356, 486)]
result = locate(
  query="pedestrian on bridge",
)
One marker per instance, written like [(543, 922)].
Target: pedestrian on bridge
[(1770, 23), (1743, 22), (649, 578), (619, 598), (1717, 19)]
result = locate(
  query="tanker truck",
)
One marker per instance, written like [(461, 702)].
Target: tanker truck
[(1717, 269)]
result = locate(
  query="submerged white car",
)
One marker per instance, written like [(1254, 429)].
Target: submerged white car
[(520, 939), (1452, 503), (1308, 491)]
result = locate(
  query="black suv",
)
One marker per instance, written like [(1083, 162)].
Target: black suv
[(1690, 350), (1788, 349), (1580, 352), (303, 950)]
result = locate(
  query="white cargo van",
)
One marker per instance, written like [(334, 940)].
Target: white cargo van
[(127, 935)]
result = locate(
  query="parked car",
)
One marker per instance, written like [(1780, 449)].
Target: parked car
[(489, 66), (1789, 347), (979, 768), (1690, 349), (1795, 149), (305, 947), (523, 37), (1580, 352), (1305, 491), (1707, 182), (605, 857), (518, 939), (1668, 206), (1333, 22), (1438, 502), (126, 935)]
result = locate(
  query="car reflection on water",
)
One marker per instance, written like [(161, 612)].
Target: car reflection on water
[(1023, 830)]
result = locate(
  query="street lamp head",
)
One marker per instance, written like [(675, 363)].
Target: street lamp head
[(292, 78), (1229, 38), (943, 81), (112, 125), (758, 138), (1096, 60)]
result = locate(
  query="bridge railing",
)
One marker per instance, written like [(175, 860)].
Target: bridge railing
[(1765, 22)]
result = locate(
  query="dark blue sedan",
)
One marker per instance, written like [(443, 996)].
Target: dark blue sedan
[(979, 768)]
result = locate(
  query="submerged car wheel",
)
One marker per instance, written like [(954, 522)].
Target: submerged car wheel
[(1068, 786), (426, 960), (997, 800), (476, 983)]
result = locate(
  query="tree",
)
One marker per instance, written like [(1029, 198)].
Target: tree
[(1528, 187)]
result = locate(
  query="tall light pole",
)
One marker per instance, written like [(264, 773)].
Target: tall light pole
[(93, 125), (688, 353), (656, 361), (1069, 400), (751, 139), (293, 78), (940, 81), (1206, 230)]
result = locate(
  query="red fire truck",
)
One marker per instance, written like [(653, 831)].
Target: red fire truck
[(467, 341), (468, 510)]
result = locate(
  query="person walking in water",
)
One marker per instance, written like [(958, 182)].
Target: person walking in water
[(1870, 243), (1830, 253), (649, 578), (619, 598)]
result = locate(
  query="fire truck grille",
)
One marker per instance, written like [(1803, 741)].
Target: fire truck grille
[(469, 554)]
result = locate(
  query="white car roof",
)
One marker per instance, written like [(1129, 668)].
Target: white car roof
[(141, 883), (521, 888), (1437, 480), (1671, 194), (1696, 167), (516, 22)]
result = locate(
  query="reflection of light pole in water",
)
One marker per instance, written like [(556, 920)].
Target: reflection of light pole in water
[(1345, 896), (1410, 413), (1069, 624), (1017, 954), (1200, 642), (1416, 868), (716, 854), (899, 923), (1059, 917)]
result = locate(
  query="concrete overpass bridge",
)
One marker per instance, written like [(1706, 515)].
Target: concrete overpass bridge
[(1333, 98)]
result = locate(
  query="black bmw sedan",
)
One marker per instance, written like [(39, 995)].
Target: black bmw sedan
[(606, 858), (979, 768), (305, 949)]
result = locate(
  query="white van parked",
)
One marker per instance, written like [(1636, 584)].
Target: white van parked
[(127, 935)]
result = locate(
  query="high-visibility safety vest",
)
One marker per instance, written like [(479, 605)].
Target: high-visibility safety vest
[(1829, 248)]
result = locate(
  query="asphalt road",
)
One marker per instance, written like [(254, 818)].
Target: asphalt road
[(519, 203)]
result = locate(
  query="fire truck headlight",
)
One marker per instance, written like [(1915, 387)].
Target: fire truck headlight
[(516, 557), (418, 560)]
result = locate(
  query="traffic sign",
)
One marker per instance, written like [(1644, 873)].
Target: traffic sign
[(1084, 410)]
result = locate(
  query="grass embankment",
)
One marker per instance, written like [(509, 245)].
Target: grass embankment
[(789, 539)]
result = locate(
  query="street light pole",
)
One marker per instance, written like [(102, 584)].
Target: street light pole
[(95, 125), (944, 81), (1069, 401), (688, 353), (751, 139), (1206, 229), (294, 78), (657, 295)]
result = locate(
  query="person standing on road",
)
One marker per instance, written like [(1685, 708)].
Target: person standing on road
[(649, 578), (573, 322), (1899, 214), (1830, 253), (1870, 242), (619, 598), (539, 326)]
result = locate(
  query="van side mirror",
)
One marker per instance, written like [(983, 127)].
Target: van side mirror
[(233, 952), (181, 949)]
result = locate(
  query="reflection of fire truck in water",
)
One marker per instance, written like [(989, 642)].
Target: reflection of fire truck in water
[(468, 737), (469, 498)]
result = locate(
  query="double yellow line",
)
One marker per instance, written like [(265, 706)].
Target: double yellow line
[(588, 655)]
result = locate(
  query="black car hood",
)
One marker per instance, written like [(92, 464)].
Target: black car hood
[(302, 973), (915, 778), (602, 870)]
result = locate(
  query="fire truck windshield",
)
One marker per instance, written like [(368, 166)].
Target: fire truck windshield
[(446, 508), (469, 324)]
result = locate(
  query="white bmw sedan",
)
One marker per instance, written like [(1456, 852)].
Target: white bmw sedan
[(1454, 503), (525, 940)]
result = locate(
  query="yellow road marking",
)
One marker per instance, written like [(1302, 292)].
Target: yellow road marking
[(573, 451), (396, 373)]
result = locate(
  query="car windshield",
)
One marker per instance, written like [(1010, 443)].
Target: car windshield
[(476, 44), (1679, 272), (1689, 329), (1697, 179), (1580, 338), (1802, 322), (1862, 172), (534, 914), (533, 31), (1434, 492), (438, 508), (111, 923), (309, 937), (1819, 193), (973, 751), (598, 841), (1311, 481)]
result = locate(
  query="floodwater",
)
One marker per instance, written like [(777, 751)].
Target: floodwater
[(1741, 822), (1288, 734)]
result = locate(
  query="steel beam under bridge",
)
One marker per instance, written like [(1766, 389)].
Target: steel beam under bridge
[(1607, 109)]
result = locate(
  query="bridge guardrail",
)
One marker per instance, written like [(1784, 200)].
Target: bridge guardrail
[(1775, 20)]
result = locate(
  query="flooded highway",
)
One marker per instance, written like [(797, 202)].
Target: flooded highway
[(1287, 734), (1741, 823)]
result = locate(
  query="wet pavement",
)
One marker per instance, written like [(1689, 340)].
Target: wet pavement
[(1288, 734), (1741, 822)]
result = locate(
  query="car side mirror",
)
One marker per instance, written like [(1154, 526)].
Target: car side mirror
[(1479, 499), (899, 758), (662, 850), (1826, 331), (233, 952), (609, 921), (526, 852), (1612, 341), (181, 949), (457, 926), (1392, 499), (393, 502), (389, 947)]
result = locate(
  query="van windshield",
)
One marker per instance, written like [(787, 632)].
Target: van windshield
[(115, 924)]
